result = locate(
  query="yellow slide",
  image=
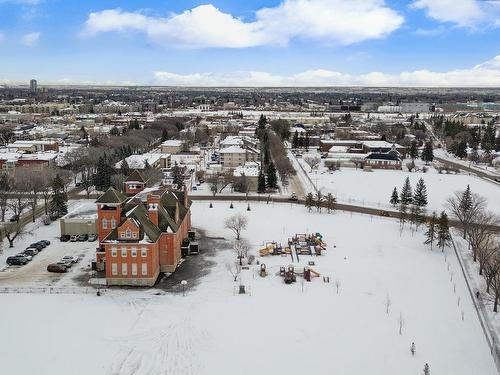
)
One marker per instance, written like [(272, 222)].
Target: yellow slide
[(315, 273)]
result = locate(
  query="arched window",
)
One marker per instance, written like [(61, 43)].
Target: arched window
[(128, 233), (113, 223), (104, 224)]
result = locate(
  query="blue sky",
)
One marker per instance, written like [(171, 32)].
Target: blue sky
[(252, 42)]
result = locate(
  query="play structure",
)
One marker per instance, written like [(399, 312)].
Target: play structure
[(290, 273), (307, 244), (273, 248)]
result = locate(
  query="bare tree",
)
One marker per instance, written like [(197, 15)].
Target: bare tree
[(241, 248), (312, 161), (465, 206), (214, 183), (14, 230), (5, 190), (481, 232), (337, 285), (387, 303), (234, 269), (490, 260), (237, 223)]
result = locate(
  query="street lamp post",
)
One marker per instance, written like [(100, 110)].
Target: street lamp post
[(183, 283)]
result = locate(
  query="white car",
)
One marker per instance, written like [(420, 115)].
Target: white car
[(69, 258), (28, 257)]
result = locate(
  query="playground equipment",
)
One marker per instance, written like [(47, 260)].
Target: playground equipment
[(307, 244), (263, 270), (273, 248)]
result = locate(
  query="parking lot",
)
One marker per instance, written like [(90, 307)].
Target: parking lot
[(34, 273)]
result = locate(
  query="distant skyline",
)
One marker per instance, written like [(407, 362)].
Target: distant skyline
[(428, 43)]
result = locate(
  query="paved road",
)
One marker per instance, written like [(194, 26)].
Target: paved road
[(479, 173)]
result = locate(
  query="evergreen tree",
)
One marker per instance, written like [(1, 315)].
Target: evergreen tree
[(58, 203), (461, 150), (416, 216), (420, 195), (102, 177), (261, 186), (394, 197), (431, 233), (427, 370), (114, 131), (295, 141), (164, 135), (267, 157), (124, 168), (330, 202), (319, 200), (428, 153), (262, 122), (309, 201), (443, 231), (405, 196), (177, 176), (466, 200), (306, 142), (272, 179), (413, 150)]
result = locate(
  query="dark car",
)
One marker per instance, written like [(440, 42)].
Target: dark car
[(83, 237), (46, 242), (65, 237), (16, 261), (56, 267), (37, 246), (14, 218)]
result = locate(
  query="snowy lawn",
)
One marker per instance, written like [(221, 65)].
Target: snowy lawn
[(374, 188), (278, 329)]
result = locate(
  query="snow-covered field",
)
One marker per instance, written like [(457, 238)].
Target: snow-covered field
[(278, 329), (374, 188)]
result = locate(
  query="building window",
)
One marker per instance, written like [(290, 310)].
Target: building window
[(133, 252), (104, 224), (134, 234), (113, 223), (114, 252), (134, 269), (144, 252), (128, 233), (122, 235), (124, 252), (114, 269), (144, 269), (124, 269)]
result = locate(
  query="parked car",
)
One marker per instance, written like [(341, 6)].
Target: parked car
[(66, 262), (28, 257), (16, 261), (14, 218), (293, 197), (42, 243), (73, 238), (65, 237), (83, 237), (69, 258), (37, 246), (46, 220), (92, 237), (31, 251), (56, 267), (46, 242)]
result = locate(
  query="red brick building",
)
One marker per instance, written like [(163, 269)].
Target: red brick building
[(140, 237)]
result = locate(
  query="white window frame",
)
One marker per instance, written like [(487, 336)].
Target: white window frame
[(114, 252), (144, 252), (134, 234), (122, 234), (133, 252), (124, 269), (144, 269), (128, 233), (113, 223), (124, 252), (114, 269), (134, 269), (104, 223)]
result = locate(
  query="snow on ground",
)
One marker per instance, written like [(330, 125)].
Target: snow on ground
[(374, 188), (278, 328)]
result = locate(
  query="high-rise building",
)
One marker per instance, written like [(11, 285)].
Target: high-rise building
[(33, 86)]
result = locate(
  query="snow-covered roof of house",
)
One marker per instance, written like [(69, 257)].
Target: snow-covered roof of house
[(380, 144), (249, 169), (139, 161), (235, 150), (172, 142)]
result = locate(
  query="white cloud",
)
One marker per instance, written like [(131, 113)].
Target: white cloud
[(30, 39), (331, 21), (465, 13), (483, 75)]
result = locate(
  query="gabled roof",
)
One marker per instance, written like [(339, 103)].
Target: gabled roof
[(135, 176), (111, 196)]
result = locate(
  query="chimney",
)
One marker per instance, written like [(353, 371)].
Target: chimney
[(153, 202), (177, 216), (185, 196)]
